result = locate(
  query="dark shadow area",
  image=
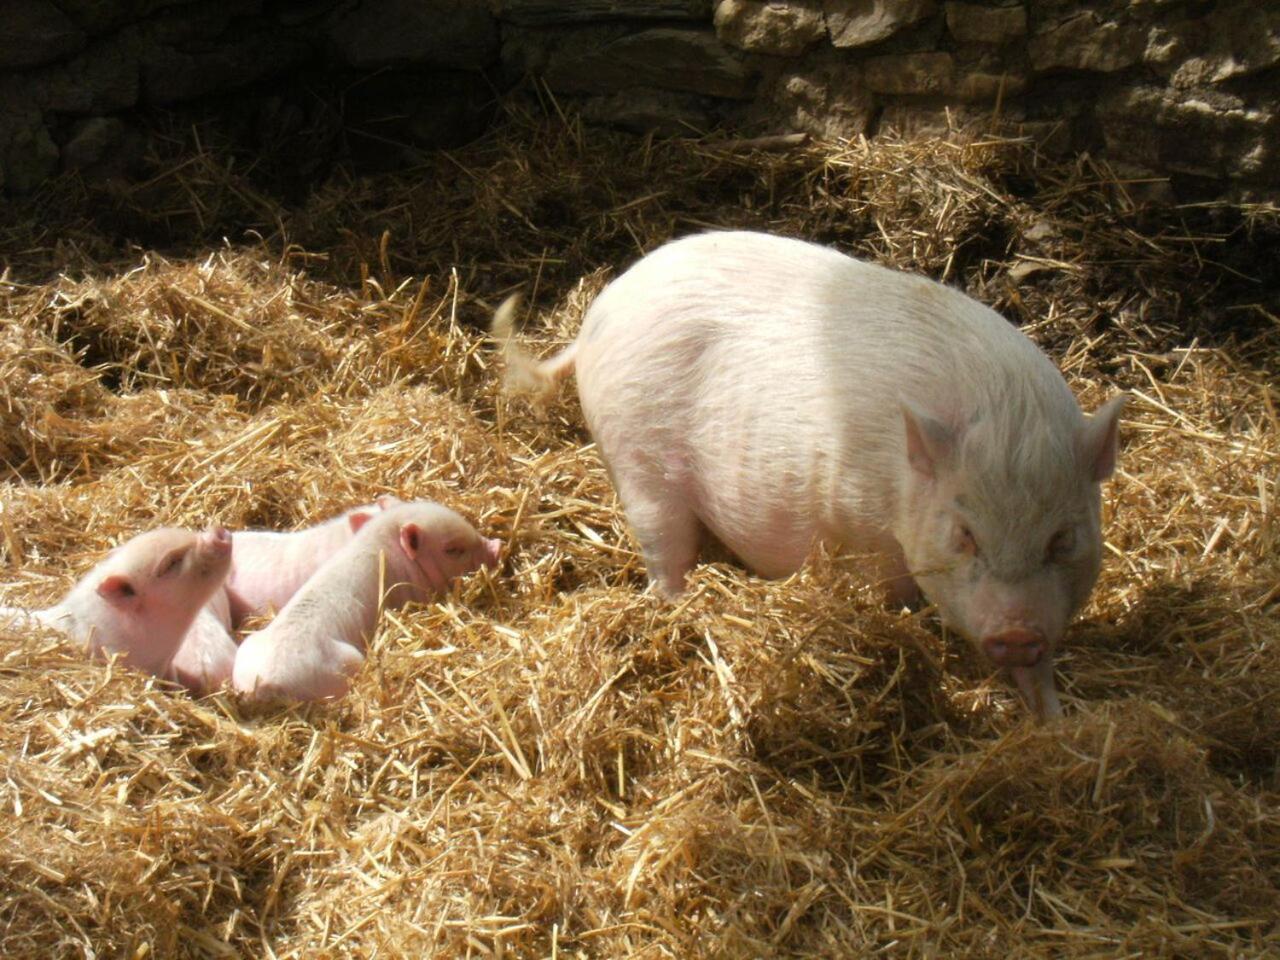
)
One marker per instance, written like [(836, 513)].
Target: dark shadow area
[(387, 179), (1195, 648)]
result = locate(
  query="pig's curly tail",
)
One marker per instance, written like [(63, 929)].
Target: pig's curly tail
[(525, 374)]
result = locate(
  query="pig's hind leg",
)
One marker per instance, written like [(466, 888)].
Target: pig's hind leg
[(667, 530)]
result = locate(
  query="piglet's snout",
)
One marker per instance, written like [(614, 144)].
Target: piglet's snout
[(1017, 647), (492, 552), (219, 539)]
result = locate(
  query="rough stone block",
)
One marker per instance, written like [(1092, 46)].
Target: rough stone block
[(460, 34), (200, 24), (171, 74), (829, 100), (101, 80), (1209, 134), (29, 158), (1245, 38), (666, 58), (1085, 43), (978, 85), (1167, 46), (296, 13), (916, 74), (36, 32), (970, 23), (1234, 40), (770, 26), (96, 17), (90, 141), (538, 13), (857, 23)]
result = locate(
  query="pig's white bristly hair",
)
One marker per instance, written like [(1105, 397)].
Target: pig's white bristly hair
[(725, 333)]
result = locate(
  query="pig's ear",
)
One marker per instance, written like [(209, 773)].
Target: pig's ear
[(411, 539), (930, 442), (1099, 439), (358, 518), (117, 589), (387, 501)]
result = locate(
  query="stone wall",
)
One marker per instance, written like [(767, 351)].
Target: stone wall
[(1175, 88)]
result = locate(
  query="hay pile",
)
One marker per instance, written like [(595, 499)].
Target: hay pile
[(550, 763)]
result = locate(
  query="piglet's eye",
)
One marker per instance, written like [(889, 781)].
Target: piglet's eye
[(170, 563), (1061, 544), (454, 551), (965, 542)]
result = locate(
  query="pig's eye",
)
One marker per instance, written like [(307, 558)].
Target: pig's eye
[(1061, 545), (170, 563), (965, 543), (454, 552)]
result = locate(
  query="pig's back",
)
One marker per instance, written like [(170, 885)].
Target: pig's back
[(268, 567), (765, 376)]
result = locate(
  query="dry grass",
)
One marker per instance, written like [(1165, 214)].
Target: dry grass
[(550, 763)]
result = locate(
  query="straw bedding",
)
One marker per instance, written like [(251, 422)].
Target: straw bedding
[(550, 763)]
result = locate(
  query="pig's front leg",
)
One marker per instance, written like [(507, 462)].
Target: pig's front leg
[(204, 661), (207, 654), (899, 584), (1036, 686)]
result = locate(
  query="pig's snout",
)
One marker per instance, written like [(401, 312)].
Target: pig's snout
[(219, 538), (492, 553), (212, 553), (1018, 647)]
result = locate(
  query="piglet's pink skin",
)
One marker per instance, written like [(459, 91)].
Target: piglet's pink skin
[(268, 568), (207, 653), (142, 598), (408, 552)]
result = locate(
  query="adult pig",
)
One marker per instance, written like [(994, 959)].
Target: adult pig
[(407, 552), (779, 393), (141, 599)]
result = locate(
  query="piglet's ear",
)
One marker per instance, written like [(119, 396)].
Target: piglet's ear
[(1100, 439), (387, 501), (358, 518), (930, 443), (410, 539), (117, 588)]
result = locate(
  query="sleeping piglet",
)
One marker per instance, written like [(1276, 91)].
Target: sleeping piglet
[(268, 567), (777, 393), (144, 595), (407, 552)]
